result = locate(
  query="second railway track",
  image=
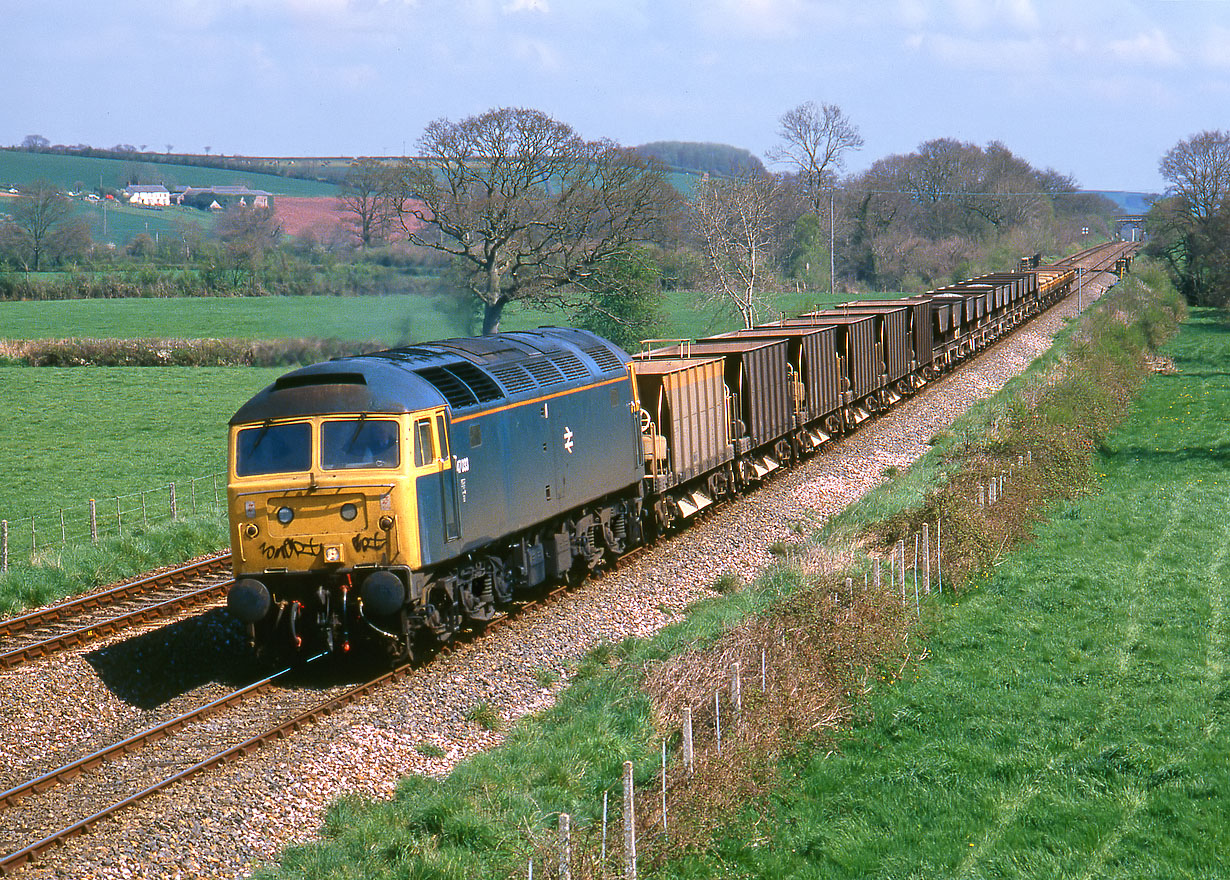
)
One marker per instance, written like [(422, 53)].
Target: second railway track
[(98, 615)]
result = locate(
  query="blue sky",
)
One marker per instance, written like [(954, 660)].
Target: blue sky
[(1098, 89)]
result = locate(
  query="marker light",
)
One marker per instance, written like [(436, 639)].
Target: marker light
[(349, 511), (285, 515)]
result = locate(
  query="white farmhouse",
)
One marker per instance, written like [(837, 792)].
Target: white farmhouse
[(150, 196)]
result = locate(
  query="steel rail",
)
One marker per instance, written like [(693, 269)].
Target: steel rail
[(290, 725), (284, 728), (120, 593), (95, 631)]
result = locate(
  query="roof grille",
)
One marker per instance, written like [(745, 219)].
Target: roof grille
[(456, 392), (480, 383), (569, 364), (604, 357), (544, 372), (513, 378)]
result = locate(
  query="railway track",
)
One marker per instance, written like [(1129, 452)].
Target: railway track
[(1099, 258), (95, 616), (305, 711), (291, 721)]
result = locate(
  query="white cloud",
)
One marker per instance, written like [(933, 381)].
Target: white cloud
[(537, 54), (980, 53), (514, 6), (1215, 48), (913, 14), (1148, 48)]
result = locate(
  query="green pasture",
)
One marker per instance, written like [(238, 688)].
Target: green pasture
[(1072, 720), (85, 173), (119, 223), (72, 434), (389, 319)]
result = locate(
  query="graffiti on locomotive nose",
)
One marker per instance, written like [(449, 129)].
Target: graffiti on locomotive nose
[(367, 543), (292, 547)]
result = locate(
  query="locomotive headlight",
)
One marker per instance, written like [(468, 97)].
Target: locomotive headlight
[(349, 511), (285, 515)]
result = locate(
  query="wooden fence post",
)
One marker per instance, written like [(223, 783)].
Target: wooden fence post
[(4, 545), (926, 552), (901, 569), (736, 692), (917, 604), (565, 846), (93, 521), (688, 754), (663, 788), (629, 825), (174, 506), (939, 560)]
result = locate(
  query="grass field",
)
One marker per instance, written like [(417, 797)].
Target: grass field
[(80, 173), (389, 320), (91, 432), (1072, 721)]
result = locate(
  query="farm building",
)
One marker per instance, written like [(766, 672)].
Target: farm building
[(218, 198), (154, 196)]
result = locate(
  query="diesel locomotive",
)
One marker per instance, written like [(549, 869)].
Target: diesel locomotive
[(390, 500)]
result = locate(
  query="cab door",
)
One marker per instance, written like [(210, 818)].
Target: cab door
[(436, 486)]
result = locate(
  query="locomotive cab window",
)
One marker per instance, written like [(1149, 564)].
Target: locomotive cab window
[(359, 443), (273, 449), (443, 435), (424, 444)]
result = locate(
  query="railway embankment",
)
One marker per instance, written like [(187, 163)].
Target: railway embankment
[(837, 747)]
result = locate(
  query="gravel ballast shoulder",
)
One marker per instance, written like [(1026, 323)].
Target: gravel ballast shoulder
[(227, 822)]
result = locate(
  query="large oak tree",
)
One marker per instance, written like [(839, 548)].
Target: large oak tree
[(531, 210)]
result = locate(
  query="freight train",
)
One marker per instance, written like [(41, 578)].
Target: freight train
[(391, 500)]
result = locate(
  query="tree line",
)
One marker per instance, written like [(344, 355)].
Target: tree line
[(1189, 229), (525, 210), (513, 206)]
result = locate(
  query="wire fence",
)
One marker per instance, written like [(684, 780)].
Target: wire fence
[(119, 515)]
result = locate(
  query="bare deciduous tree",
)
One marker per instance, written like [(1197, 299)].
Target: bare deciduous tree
[(814, 141), (247, 233), (39, 211), (362, 197), (526, 204), (737, 222), (1198, 171)]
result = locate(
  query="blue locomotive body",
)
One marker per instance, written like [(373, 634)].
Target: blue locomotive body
[(434, 481)]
